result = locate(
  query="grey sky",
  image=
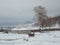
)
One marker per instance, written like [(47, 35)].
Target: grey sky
[(52, 6), (17, 10)]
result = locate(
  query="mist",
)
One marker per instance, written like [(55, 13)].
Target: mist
[(22, 11)]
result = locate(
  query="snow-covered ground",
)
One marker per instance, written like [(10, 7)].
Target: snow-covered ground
[(26, 27), (46, 38), (34, 27)]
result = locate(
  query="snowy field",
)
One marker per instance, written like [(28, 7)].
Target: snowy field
[(46, 38)]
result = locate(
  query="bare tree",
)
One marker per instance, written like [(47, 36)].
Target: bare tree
[(43, 20), (41, 14)]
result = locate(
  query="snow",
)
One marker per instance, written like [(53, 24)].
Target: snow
[(32, 27), (46, 38), (26, 27)]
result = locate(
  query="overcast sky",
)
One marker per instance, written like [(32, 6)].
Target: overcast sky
[(22, 10)]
